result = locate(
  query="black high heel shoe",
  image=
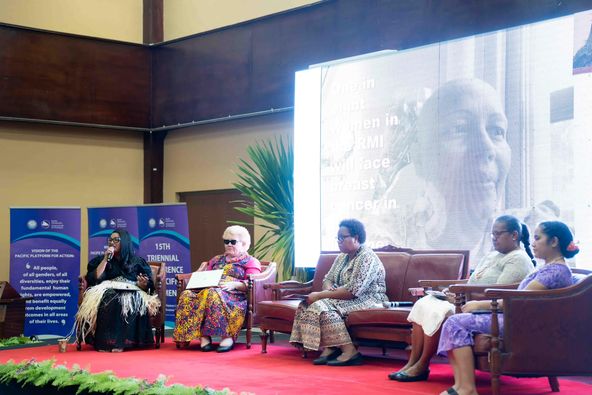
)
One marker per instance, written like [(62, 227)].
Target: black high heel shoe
[(208, 347), (405, 378), (355, 360), (327, 358), (225, 348)]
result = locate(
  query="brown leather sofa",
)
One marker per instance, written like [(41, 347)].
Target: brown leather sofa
[(380, 327)]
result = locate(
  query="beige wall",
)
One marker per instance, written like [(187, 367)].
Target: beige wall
[(114, 19), (185, 17), (122, 19), (205, 157), (43, 165)]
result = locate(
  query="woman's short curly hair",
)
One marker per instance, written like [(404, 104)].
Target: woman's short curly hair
[(356, 228), (238, 232)]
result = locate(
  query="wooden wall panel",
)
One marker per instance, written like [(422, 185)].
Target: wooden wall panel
[(65, 78), (250, 67)]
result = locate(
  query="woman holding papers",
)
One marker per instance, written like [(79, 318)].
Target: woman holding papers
[(507, 263), (114, 313), (218, 311), (553, 243)]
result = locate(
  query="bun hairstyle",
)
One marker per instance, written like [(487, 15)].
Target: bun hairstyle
[(513, 224), (560, 230)]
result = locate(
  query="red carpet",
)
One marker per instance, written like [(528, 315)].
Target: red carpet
[(281, 371)]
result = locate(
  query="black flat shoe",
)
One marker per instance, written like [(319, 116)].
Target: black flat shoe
[(355, 360), (405, 378), (208, 347), (327, 358), (225, 348)]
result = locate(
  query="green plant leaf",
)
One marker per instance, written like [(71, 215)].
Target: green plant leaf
[(266, 180)]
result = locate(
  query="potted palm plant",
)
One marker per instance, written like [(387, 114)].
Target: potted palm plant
[(266, 181)]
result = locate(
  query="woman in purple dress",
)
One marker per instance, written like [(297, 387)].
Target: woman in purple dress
[(553, 242)]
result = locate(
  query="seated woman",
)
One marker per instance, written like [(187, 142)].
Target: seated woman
[(506, 264), (219, 311), (115, 312), (553, 242), (356, 281)]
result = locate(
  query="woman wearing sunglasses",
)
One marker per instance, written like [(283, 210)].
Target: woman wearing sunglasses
[(114, 313), (218, 311)]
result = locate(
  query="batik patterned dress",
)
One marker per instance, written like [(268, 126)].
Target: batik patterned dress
[(322, 324), (460, 329), (213, 311)]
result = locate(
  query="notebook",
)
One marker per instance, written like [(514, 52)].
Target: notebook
[(205, 279)]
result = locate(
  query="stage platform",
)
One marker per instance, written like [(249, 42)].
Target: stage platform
[(281, 371)]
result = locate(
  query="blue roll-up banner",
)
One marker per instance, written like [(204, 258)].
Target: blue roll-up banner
[(159, 232), (45, 265), (164, 237), (104, 220)]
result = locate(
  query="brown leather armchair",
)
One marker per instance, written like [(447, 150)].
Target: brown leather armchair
[(545, 333), (256, 292), (156, 321)]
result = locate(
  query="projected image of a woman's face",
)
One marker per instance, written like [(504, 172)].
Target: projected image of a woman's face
[(464, 153)]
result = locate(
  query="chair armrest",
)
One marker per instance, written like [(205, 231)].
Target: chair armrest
[(257, 290), (430, 284), (82, 286), (182, 280), (507, 294), (280, 290), (464, 292), (479, 289), (289, 285)]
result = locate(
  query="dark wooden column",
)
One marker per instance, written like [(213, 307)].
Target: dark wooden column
[(153, 166), (153, 142), (153, 21)]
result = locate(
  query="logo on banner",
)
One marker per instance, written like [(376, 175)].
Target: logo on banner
[(102, 223), (118, 223), (32, 224), (151, 222), (45, 224), (167, 223)]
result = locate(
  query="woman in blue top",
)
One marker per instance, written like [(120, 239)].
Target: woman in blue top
[(553, 242)]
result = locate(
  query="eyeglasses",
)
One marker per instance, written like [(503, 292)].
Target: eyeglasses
[(496, 234), (114, 240), (233, 242), (340, 238)]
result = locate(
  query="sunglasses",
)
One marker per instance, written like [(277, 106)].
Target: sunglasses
[(114, 240), (233, 242)]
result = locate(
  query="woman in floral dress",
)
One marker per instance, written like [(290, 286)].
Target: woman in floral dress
[(218, 311)]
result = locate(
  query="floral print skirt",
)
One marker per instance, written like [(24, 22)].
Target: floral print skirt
[(209, 312)]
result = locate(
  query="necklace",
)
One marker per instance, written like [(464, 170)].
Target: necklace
[(557, 260)]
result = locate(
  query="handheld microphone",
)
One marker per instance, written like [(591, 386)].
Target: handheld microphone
[(110, 252)]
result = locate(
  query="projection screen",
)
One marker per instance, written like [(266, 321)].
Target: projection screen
[(427, 146)]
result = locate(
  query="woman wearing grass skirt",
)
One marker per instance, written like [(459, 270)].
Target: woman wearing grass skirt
[(115, 312)]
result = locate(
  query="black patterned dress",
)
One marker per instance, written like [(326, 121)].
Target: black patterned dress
[(114, 327)]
